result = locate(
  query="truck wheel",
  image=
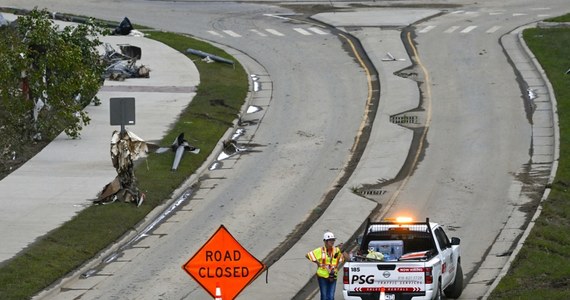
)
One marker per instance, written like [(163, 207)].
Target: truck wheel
[(438, 293), (455, 290)]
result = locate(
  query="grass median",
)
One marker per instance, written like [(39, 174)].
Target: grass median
[(221, 94), (541, 269)]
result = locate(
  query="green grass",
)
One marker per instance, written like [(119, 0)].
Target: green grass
[(563, 18), (541, 270), (220, 96)]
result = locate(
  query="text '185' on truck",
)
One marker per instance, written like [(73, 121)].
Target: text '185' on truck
[(399, 260)]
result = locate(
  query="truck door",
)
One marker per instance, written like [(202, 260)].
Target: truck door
[(446, 256)]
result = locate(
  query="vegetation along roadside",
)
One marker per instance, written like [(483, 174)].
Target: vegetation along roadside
[(541, 269), (204, 122)]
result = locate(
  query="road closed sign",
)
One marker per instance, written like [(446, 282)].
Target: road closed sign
[(223, 266)]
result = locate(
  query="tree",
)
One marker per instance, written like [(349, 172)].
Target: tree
[(47, 76)]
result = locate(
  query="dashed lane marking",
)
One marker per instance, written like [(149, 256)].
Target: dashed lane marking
[(493, 29), (274, 32), (231, 33), (427, 29), (451, 29), (258, 32), (468, 29), (302, 31), (215, 33), (318, 31)]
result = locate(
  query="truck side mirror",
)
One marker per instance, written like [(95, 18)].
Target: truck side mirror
[(359, 240), (455, 241)]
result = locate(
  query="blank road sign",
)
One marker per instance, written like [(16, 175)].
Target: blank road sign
[(122, 111)]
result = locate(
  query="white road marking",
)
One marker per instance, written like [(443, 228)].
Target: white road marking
[(468, 29), (318, 31), (274, 32), (231, 33), (258, 32), (215, 33), (278, 16), (451, 29), (302, 31), (426, 29), (493, 29)]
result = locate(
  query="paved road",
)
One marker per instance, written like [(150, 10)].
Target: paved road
[(263, 195), (478, 142), (478, 167), (455, 182), (480, 159), (480, 113)]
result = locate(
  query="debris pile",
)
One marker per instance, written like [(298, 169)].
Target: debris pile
[(208, 57), (122, 65), (126, 147), (179, 146), (124, 28)]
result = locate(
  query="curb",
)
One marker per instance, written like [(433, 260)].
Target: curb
[(151, 221), (556, 156)]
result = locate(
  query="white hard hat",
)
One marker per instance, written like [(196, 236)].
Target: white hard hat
[(328, 236)]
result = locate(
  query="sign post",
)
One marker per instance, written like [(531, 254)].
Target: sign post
[(222, 264)]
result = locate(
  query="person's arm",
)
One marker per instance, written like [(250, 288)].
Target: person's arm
[(308, 256), (342, 255)]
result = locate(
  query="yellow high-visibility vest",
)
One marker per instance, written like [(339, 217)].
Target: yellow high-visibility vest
[(327, 264)]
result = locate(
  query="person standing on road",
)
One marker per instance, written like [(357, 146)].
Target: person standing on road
[(328, 258)]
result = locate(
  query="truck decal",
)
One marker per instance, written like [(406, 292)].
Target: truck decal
[(413, 269), (362, 279), (413, 257), (387, 289), (400, 282)]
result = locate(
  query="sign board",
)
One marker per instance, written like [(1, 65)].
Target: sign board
[(122, 111), (222, 262)]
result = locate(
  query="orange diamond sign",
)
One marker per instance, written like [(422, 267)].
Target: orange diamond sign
[(224, 264)]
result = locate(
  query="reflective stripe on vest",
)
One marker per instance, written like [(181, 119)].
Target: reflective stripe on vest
[(324, 268)]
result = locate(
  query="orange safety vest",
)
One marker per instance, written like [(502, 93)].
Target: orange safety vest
[(327, 264)]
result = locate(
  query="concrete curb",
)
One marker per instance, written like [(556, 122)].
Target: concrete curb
[(107, 255), (554, 168)]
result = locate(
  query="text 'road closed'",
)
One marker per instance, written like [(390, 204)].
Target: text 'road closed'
[(223, 263), (223, 256)]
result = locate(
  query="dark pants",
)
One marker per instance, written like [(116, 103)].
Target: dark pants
[(327, 287)]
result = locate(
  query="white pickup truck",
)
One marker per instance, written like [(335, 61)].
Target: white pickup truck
[(403, 260)]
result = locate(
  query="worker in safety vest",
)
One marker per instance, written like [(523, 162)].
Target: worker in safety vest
[(328, 258)]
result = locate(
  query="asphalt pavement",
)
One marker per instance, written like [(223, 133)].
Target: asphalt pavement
[(67, 175)]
